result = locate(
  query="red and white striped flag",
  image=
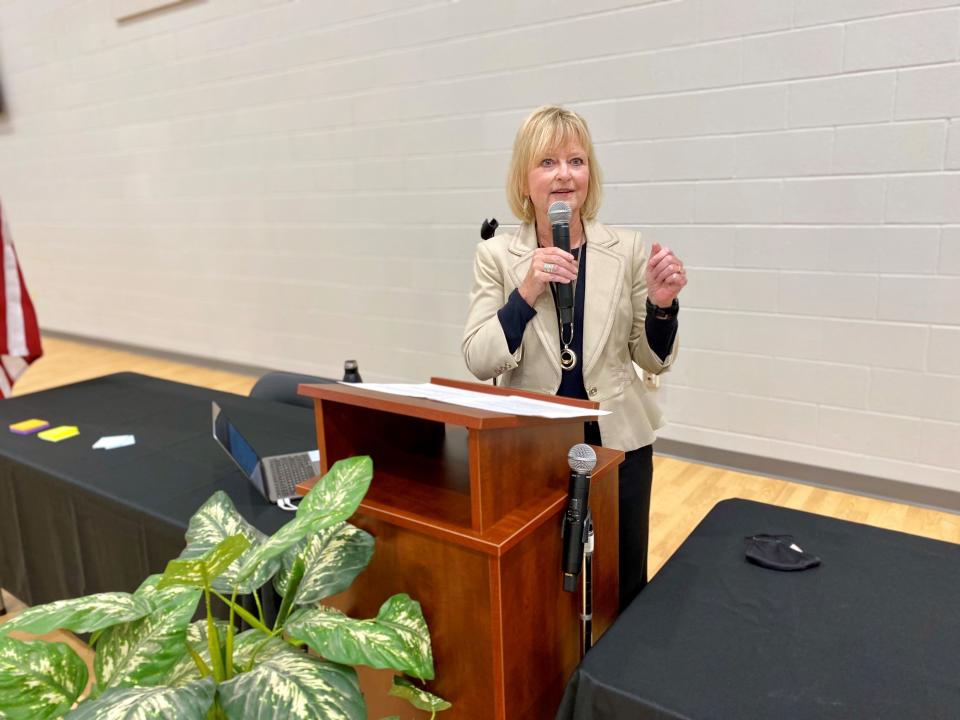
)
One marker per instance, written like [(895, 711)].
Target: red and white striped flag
[(19, 332)]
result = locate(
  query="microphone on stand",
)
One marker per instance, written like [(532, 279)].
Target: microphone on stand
[(582, 459), (559, 214)]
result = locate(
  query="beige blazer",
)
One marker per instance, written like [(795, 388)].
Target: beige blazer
[(614, 336)]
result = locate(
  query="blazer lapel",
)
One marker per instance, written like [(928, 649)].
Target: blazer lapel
[(545, 322), (604, 285)]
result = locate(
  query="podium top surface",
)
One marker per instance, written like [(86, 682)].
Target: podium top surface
[(445, 412)]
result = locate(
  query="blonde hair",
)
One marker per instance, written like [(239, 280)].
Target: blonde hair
[(546, 129)]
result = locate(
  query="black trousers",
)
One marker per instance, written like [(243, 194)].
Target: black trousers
[(635, 483)]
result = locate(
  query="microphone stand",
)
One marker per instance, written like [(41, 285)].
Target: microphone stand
[(586, 589), (577, 537)]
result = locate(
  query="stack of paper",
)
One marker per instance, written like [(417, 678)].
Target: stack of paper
[(510, 404)]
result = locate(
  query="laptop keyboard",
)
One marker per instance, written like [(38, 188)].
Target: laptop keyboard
[(286, 472)]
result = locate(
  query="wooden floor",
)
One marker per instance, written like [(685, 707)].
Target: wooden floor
[(69, 361)]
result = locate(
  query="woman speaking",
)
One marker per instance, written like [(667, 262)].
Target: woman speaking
[(625, 313)]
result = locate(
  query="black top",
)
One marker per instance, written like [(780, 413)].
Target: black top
[(515, 315), (873, 632), (74, 520)]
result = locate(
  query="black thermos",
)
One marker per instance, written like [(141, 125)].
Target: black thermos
[(350, 372)]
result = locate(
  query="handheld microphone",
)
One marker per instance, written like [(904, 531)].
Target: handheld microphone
[(559, 214), (488, 228), (582, 459)]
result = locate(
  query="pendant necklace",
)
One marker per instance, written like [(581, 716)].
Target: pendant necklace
[(568, 358)]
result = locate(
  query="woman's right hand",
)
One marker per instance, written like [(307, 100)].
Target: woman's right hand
[(549, 264)]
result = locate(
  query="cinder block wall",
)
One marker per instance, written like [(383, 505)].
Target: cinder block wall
[(289, 183)]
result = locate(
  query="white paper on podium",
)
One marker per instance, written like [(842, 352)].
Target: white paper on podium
[(510, 404)]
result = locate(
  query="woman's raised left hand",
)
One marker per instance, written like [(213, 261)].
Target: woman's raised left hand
[(666, 276)]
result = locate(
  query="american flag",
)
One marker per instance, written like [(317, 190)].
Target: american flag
[(19, 332)]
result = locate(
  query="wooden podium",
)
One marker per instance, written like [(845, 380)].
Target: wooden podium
[(466, 507)]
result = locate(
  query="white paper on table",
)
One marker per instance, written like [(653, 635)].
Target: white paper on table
[(111, 442), (510, 404)]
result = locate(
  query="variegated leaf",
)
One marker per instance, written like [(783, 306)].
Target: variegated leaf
[(142, 652), (159, 598), (186, 669), (80, 615), (38, 679), (293, 686), (252, 647), (248, 647), (200, 572), (332, 500), (264, 559), (398, 638), (333, 558), (186, 702), (217, 519), (197, 634), (340, 491), (417, 696)]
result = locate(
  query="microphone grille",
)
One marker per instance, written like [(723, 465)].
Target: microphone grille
[(559, 212), (582, 458)]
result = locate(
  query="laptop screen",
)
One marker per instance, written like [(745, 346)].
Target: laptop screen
[(234, 443)]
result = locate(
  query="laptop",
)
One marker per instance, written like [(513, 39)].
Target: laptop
[(275, 476)]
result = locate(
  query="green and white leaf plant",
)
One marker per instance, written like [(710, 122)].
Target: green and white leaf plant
[(152, 661)]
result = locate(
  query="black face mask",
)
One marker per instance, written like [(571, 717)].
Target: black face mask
[(778, 552)]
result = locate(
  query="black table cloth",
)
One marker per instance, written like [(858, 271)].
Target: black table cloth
[(874, 632), (75, 521)]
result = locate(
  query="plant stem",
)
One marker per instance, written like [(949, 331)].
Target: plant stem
[(215, 712), (256, 599), (228, 654), (198, 661), (256, 651), (293, 584), (245, 614), (213, 637)]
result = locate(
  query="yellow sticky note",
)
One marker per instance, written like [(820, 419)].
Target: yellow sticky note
[(27, 427), (61, 432)]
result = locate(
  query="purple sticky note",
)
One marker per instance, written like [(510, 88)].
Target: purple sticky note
[(29, 427)]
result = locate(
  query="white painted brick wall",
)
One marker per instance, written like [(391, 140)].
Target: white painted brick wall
[(919, 198), (285, 184), (843, 200), (785, 154), (751, 201), (950, 251), (828, 295), (880, 435), (909, 39), (938, 445), (810, 52), (726, 18), (953, 148), (842, 100), (889, 148), (944, 351), (928, 92)]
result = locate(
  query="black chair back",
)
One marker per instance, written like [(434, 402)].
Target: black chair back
[(282, 386)]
